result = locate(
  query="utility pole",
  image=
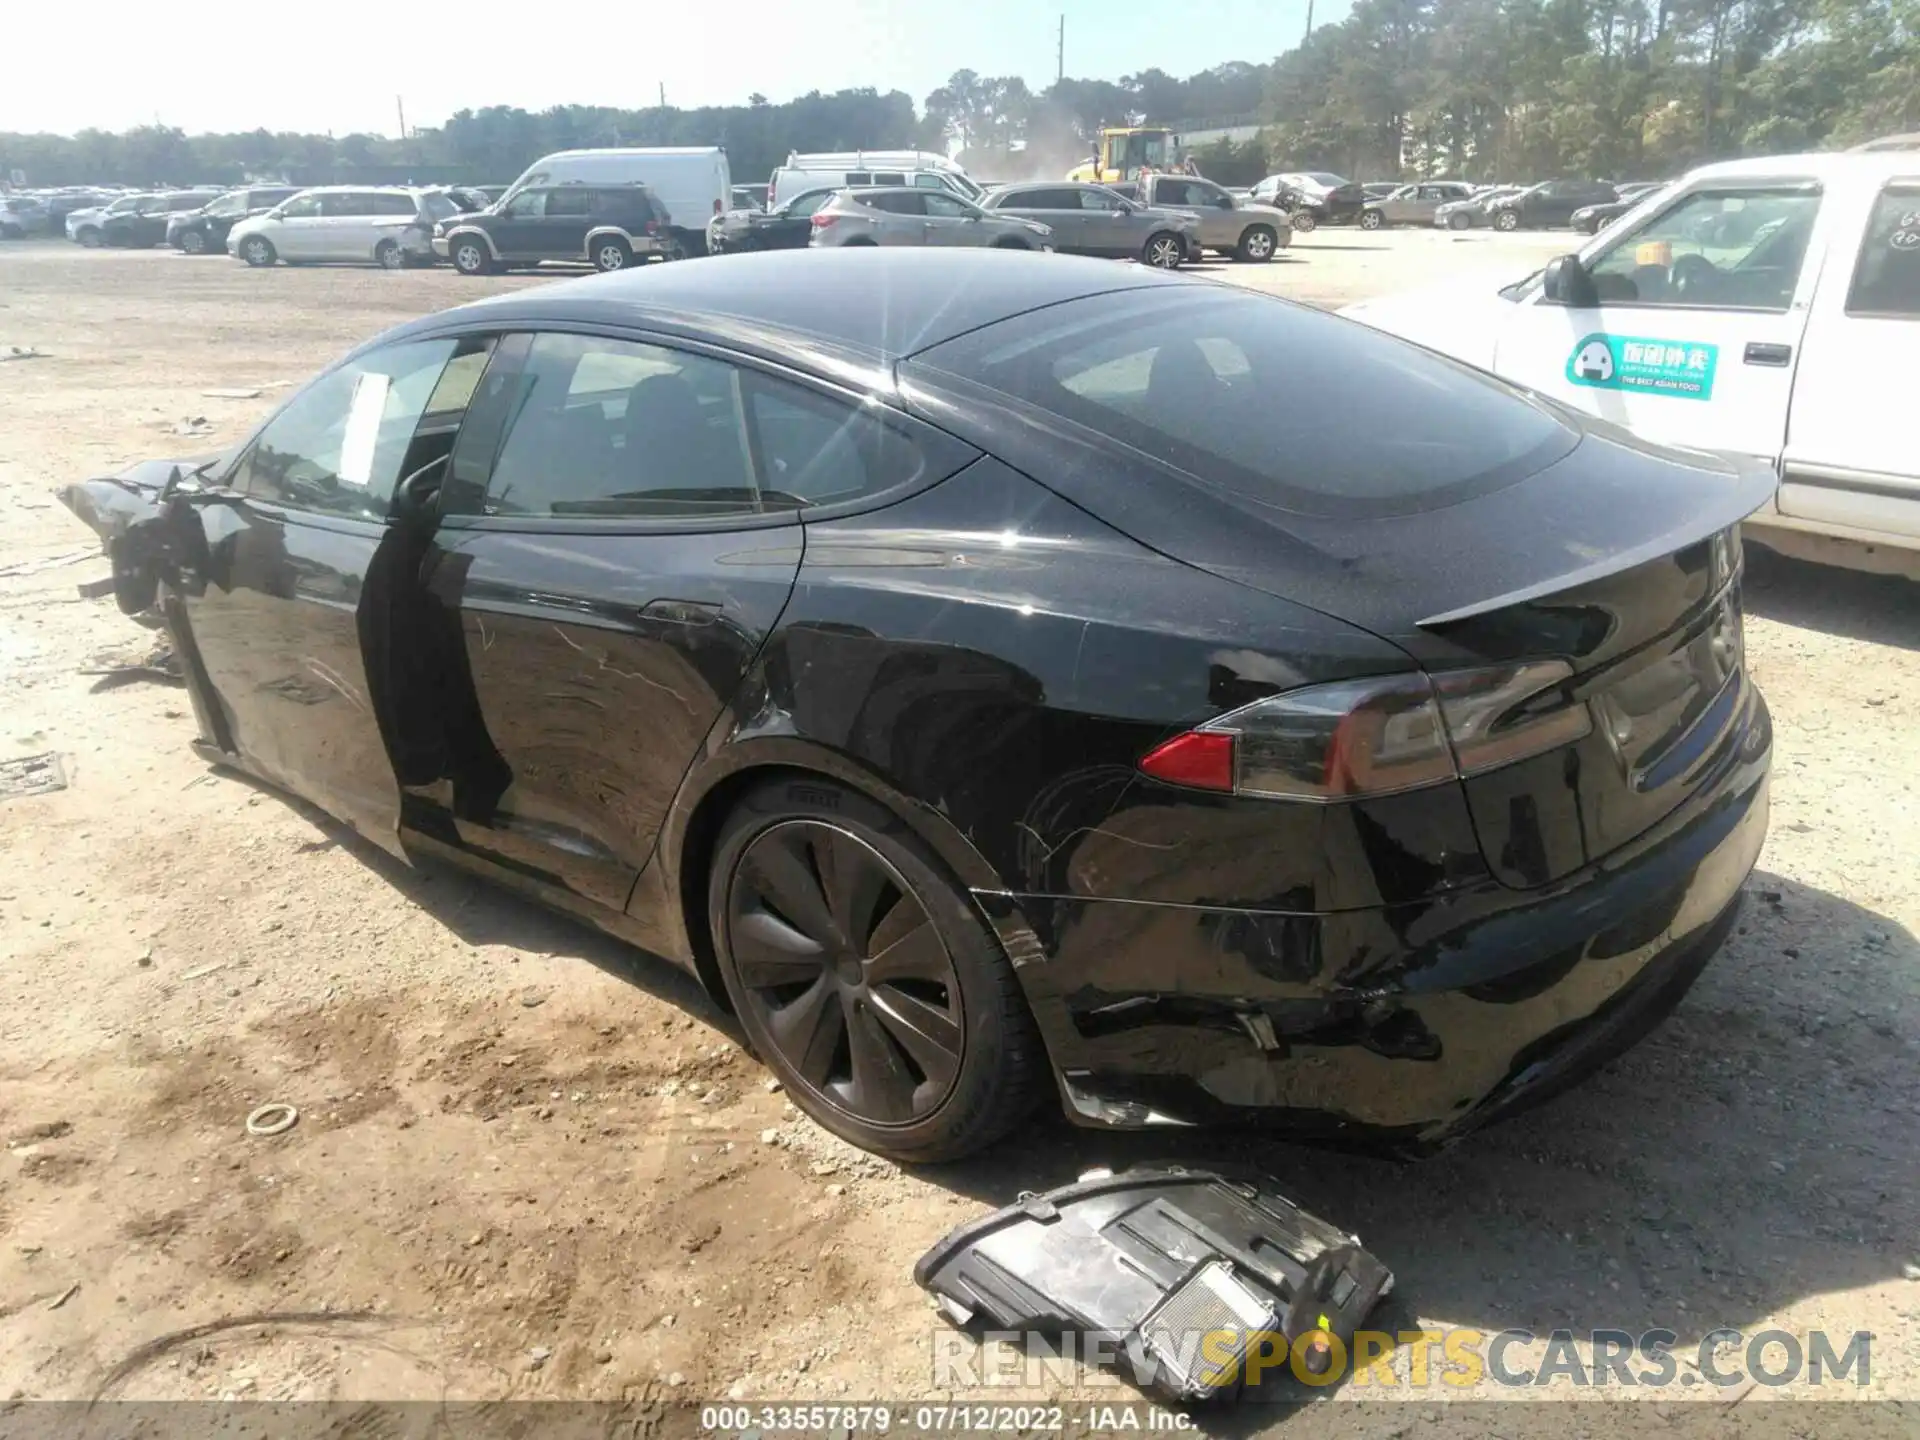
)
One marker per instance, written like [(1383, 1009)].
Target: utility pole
[(401, 105), (663, 94), (1309, 29), (1060, 51)]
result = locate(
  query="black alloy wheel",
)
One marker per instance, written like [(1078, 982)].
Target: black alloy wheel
[(846, 972), (865, 978)]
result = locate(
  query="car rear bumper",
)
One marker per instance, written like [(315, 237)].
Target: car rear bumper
[(1397, 1028)]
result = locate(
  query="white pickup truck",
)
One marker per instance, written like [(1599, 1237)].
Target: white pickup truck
[(1759, 307)]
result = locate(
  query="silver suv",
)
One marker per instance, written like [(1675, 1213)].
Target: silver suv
[(1093, 220), (391, 226), (908, 215)]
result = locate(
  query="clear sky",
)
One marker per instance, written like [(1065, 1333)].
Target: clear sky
[(338, 66)]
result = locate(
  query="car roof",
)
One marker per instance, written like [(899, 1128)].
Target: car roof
[(871, 303), (1862, 164)]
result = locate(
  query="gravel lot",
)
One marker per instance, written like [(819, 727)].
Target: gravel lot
[(533, 1163)]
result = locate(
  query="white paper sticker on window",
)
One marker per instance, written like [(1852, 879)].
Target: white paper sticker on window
[(363, 430)]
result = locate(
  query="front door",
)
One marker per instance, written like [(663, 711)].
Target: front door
[(609, 576), (1696, 334), (516, 231), (1851, 457), (1108, 225), (287, 567), (950, 221), (297, 232)]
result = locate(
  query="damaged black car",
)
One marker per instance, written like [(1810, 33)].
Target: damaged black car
[(990, 671)]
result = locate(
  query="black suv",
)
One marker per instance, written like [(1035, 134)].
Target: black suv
[(146, 227), (204, 231), (609, 226)]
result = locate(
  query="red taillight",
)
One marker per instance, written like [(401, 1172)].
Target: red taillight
[(719, 208), (820, 221), (1378, 736), (653, 227), (1202, 759)]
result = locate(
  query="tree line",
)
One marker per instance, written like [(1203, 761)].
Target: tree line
[(1478, 89)]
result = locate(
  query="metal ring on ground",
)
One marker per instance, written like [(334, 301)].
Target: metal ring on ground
[(274, 1119)]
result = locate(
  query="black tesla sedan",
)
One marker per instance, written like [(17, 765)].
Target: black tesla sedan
[(983, 669)]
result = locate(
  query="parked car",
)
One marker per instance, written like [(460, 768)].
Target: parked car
[(1413, 204), (788, 228), (1592, 219), (85, 225), (204, 231), (838, 627), (692, 182), (145, 226), (390, 226), (909, 215), (1242, 229), (1088, 219), (1756, 307), (608, 226), (22, 216), (1465, 214), (1545, 206), (1312, 198), (855, 168)]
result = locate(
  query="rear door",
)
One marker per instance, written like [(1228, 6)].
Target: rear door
[(1696, 335), (1851, 456), (351, 217), (905, 213), (1059, 209), (563, 230), (610, 576), (294, 565)]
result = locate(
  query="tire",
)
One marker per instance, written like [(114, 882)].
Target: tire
[(1305, 222), (1508, 220), (258, 251), (1372, 220), (1164, 250), (89, 238), (610, 252), (389, 256), (469, 256), (1259, 244), (1008, 243), (860, 245), (193, 242), (1459, 222), (673, 248), (973, 1065)]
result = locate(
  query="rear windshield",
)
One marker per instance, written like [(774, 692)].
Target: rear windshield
[(1281, 405)]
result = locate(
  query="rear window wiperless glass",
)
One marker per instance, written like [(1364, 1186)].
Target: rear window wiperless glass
[(1281, 405)]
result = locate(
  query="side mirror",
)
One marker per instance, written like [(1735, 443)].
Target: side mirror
[(1565, 281)]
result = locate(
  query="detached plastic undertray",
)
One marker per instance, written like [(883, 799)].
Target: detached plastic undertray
[(1184, 1267)]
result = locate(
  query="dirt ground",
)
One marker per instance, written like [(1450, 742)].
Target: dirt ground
[(530, 1162)]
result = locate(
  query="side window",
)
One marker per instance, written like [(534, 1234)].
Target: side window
[(928, 181), (303, 207), (815, 450), (899, 204), (859, 177), (1886, 278), (613, 428), (1097, 200), (947, 206), (808, 203), (345, 202), (339, 446), (1725, 249), (390, 204), (575, 200), (886, 177), (528, 205)]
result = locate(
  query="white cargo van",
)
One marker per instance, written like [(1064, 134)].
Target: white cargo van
[(868, 167), (1766, 307), (693, 182)]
